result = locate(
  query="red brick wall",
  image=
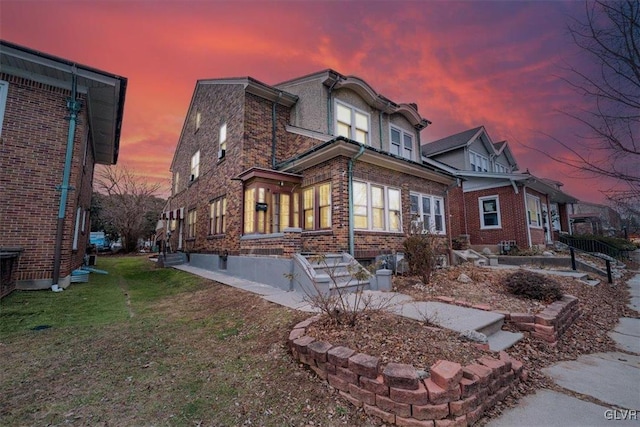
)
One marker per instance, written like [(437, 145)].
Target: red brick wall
[(32, 153)]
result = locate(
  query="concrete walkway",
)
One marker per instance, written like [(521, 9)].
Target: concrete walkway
[(613, 379), (448, 316)]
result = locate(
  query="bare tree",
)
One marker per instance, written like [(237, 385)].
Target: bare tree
[(129, 201), (609, 36)]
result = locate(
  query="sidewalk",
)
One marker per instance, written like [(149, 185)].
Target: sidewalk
[(613, 379), (448, 316)]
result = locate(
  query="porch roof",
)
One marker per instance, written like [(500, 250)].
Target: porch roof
[(341, 146)]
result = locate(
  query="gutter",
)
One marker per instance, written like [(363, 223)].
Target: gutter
[(350, 176), (74, 106)]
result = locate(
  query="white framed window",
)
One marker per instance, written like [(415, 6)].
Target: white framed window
[(352, 123), (218, 214), (478, 162), (191, 224), (489, 212), (176, 182), (401, 143), (429, 211), (316, 207), (500, 168), (77, 230), (195, 165), (198, 120), (4, 90), (376, 207), (223, 137), (534, 212)]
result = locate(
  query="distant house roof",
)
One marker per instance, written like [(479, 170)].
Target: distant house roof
[(105, 92), (466, 138), (450, 142)]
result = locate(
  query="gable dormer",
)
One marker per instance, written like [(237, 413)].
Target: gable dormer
[(472, 150)]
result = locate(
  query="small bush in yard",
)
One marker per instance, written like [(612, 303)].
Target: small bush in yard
[(534, 286)]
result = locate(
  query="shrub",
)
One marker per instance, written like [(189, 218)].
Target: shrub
[(534, 286), (422, 251)]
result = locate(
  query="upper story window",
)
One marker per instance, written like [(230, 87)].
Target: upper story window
[(478, 162), (198, 120), (316, 207), (195, 165), (223, 137), (218, 214), (352, 123), (429, 212), (401, 143), (4, 90), (489, 212), (176, 182), (376, 207), (534, 211), (500, 168)]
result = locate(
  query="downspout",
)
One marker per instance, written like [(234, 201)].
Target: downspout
[(273, 131), (330, 130), (73, 106), (350, 177), (526, 214), (447, 213)]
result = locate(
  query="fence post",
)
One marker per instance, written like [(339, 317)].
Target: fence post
[(609, 278), (573, 259)]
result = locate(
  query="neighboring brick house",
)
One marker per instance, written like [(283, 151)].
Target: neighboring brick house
[(317, 164), (57, 120), (496, 205)]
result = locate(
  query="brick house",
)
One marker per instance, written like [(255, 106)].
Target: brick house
[(58, 119), (593, 218), (496, 205), (317, 164)]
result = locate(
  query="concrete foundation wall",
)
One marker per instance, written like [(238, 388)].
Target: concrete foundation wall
[(270, 271)]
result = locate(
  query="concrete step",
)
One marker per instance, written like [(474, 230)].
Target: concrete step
[(502, 340), (491, 328)]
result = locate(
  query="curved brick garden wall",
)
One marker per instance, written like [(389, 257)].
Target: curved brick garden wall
[(451, 395)]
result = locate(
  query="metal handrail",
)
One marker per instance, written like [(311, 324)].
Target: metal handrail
[(593, 246)]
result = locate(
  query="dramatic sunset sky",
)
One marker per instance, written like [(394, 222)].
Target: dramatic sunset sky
[(464, 63)]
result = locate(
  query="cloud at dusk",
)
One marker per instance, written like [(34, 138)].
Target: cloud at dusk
[(464, 63)]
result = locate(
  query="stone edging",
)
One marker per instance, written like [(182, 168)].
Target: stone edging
[(450, 395), (548, 325)]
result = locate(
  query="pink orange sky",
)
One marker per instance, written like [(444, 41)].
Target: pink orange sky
[(464, 63)]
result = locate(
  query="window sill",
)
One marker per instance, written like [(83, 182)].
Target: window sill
[(215, 236), (494, 227), (317, 232)]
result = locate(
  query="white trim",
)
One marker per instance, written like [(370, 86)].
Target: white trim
[(536, 199), (401, 148), (481, 211), (77, 230), (4, 90), (526, 214), (387, 211), (432, 216), (352, 124)]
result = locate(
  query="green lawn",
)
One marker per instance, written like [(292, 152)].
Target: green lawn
[(144, 346)]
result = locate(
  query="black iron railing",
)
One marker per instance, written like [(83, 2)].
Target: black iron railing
[(593, 246)]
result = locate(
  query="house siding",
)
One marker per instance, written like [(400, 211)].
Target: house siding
[(34, 140)]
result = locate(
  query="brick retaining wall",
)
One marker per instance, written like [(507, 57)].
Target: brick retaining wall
[(452, 395), (548, 325), (551, 323)]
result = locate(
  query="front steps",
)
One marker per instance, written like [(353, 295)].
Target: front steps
[(329, 273), (172, 259)]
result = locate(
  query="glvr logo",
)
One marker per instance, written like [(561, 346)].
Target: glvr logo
[(621, 414)]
